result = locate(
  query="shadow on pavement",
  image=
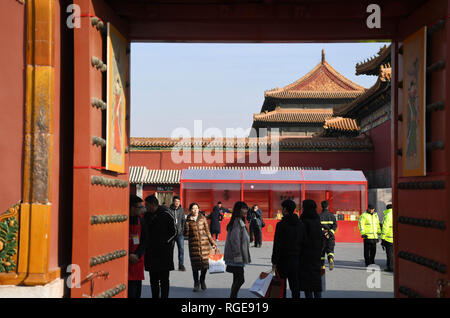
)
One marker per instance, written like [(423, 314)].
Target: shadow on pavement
[(185, 292), (359, 264)]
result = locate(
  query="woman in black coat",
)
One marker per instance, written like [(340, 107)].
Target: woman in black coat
[(216, 217), (310, 264)]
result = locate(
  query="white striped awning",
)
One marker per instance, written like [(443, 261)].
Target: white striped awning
[(140, 174), (154, 176)]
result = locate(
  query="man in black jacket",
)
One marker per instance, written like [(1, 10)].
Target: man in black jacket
[(329, 226), (254, 218), (289, 238), (179, 218), (161, 231)]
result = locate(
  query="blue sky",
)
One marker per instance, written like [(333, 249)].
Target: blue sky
[(173, 84)]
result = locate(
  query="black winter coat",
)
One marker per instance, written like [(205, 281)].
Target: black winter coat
[(216, 217), (255, 218), (160, 232), (179, 218), (290, 236), (310, 263)]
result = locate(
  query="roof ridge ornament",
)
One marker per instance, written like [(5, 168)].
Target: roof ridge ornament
[(323, 56)]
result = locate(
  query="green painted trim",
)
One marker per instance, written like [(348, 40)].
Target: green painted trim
[(8, 244)]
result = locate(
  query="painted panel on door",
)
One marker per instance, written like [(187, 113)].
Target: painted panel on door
[(100, 196)]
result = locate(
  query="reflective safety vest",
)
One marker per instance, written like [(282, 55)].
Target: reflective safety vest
[(387, 233), (369, 225)]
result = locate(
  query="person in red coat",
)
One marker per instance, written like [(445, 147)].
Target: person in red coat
[(136, 247)]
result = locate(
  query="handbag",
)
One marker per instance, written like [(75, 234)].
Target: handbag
[(216, 262), (276, 287), (261, 284)]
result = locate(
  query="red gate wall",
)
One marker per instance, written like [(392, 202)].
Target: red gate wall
[(421, 204), (99, 245), (161, 159)]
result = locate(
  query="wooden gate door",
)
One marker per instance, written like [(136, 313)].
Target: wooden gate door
[(421, 203), (101, 139)]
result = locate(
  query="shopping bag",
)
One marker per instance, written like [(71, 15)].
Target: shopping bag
[(261, 285), (216, 262), (276, 287)]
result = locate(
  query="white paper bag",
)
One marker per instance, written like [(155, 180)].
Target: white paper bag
[(216, 264), (261, 285)]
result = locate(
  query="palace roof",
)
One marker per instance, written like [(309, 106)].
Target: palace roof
[(285, 143), (294, 115), (323, 82), (341, 124)]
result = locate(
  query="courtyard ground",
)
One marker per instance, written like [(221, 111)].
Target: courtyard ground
[(349, 279)]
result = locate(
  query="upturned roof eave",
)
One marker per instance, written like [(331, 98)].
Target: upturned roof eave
[(372, 65), (378, 88)]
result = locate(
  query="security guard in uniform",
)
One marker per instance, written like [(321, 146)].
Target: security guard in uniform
[(369, 227), (329, 226), (387, 238)]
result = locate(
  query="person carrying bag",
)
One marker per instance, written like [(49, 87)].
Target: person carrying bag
[(196, 229), (290, 235), (237, 252), (277, 287)]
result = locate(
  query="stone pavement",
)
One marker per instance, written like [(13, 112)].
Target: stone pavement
[(347, 280)]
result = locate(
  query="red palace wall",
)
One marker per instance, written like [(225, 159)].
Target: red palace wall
[(12, 97), (380, 175), (381, 140), (162, 159)]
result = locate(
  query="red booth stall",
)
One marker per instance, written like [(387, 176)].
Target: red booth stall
[(345, 190)]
